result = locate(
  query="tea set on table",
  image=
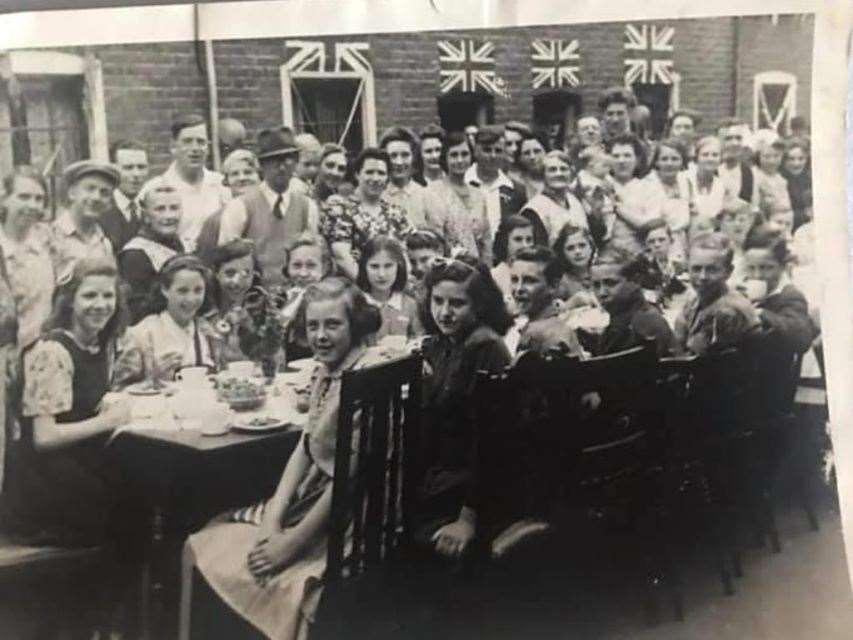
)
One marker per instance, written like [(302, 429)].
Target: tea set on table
[(238, 398)]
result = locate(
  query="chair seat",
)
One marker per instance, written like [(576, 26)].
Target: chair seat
[(15, 554)]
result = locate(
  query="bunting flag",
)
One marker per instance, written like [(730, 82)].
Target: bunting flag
[(468, 65), (310, 55), (555, 63), (648, 54)]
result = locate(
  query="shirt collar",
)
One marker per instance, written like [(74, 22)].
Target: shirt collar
[(347, 363), (66, 227), (473, 179), (784, 281), (208, 177), (123, 202), (173, 326), (271, 196), (395, 301), (10, 247)]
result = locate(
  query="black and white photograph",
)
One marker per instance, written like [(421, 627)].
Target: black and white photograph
[(385, 319)]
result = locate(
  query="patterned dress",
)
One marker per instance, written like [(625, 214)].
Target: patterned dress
[(346, 220)]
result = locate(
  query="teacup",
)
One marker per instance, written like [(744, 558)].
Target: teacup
[(242, 368), (193, 376)]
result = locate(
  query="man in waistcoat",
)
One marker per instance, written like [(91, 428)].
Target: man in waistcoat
[(271, 214)]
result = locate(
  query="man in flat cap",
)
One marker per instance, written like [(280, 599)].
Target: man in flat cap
[(504, 196), (202, 191), (76, 232), (271, 214)]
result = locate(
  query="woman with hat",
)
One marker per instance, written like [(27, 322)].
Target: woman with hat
[(142, 257), (271, 214), (348, 224)]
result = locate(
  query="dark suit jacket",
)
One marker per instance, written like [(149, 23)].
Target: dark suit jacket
[(747, 181), (787, 312), (116, 227)]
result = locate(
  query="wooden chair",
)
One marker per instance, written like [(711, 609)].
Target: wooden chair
[(371, 500)]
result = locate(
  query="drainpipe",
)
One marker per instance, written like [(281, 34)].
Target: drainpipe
[(213, 102)]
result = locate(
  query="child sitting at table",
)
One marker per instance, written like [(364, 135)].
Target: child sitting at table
[(466, 318), (575, 249), (62, 484), (422, 247), (270, 572), (175, 335), (633, 320), (716, 317), (516, 232), (382, 276), (308, 261), (783, 307)]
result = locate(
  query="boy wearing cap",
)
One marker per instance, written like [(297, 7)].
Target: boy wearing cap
[(76, 232), (504, 196), (271, 214), (202, 191)]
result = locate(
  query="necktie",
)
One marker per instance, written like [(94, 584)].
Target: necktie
[(132, 209), (276, 208)]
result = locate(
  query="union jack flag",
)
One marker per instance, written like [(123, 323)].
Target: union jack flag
[(556, 63), (310, 56), (467, 65), (652, 46)]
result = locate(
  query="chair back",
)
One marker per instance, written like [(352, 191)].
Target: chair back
[(373, 493)]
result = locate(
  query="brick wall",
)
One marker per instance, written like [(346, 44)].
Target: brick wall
[(146, 85), (785, 45)]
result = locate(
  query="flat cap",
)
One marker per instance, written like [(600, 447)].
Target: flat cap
[(77, 170), (489, 134)]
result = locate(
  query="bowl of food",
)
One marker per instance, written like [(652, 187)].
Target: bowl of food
[(242, 394)]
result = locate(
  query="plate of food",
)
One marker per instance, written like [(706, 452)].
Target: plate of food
[(149, 388), (258, 424)]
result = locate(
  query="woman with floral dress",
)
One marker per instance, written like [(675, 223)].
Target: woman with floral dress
[(348, 223)]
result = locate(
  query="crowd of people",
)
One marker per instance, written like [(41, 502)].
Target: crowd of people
[(481, 243)]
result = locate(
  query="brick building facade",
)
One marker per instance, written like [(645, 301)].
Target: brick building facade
[(758, 68)]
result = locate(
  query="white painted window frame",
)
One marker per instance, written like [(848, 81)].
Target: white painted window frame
[(57, 63), (774, 77), (368, 98)]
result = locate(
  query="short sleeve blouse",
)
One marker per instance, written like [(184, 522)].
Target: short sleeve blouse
[(345, 220), (48, 380)]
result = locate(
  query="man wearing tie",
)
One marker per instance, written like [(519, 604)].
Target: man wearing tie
[(121, 221), (271, 214)]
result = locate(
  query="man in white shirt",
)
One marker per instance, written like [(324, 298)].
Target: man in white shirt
[(736, 174), (121, 220), (504, 197), (271, 214), (402, 147), (202, 191)]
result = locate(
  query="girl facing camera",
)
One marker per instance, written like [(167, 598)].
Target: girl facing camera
[(382, 274), (465, 316), (270, 570), (175, 335)]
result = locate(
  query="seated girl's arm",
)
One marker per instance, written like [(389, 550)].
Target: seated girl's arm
[(48, 391), (294, 471)]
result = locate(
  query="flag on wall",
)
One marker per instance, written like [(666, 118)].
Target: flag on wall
[(468, 65), (310, 55), (648, 54), (555, 63)]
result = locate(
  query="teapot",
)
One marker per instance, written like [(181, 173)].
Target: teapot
[(193, 392)]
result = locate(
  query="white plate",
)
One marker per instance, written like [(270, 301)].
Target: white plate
[(244, 424), (300, 365), (143, 389)]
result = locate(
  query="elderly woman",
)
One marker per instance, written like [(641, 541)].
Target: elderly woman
[(142, 257), (709, 189), (557, 206), (453, 207), (669, 190), (24, 241), (348, 223), (796, 169), (241, 170), (628, 158)]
